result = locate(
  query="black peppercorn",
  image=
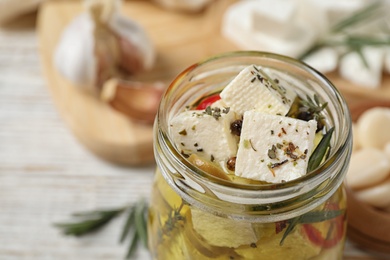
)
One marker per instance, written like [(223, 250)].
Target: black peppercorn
[(235, 127), (231, 163), (305, 115)]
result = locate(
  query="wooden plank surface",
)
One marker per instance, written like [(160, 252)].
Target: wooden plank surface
[(46, 174)]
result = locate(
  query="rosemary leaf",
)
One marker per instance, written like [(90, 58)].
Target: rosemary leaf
[(140, 222), (358, 17), (362, 57), (91, 221), (320, 151), (133, 245), (290, 228), (128, 225), (339, 36), (319, 216)]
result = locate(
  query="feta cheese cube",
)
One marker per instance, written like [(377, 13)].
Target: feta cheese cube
[(254, 89), (324, 60), (332, 10), (276, 24), (353, 68), (274, 148), (238, 26), (206, 133)]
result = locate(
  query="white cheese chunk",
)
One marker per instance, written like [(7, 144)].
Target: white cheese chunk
[(254, 89), (324, 60), (274, 148), (276, 24), (238, 25), (332, 10), (209, 136), (353, 68)]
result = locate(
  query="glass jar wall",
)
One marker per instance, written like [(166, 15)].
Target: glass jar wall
[(195, 215)]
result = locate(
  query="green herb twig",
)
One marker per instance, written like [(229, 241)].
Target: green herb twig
[(308, 109), (91, 221), (309, 218), (320, 152), (314, 107), (342, 35), (174, 217), (361, 16)]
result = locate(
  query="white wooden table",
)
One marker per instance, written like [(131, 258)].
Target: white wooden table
[(45, 174)]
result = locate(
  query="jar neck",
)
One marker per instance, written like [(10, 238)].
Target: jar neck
[(260, 203)]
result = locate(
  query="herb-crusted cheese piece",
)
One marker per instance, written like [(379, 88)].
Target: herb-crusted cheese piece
[(274, 148), (206, 133), (253, 89)]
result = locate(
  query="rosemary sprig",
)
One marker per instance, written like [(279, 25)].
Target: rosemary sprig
[(314, 107), (359, 17), (341, 35), (174, 218), (319, 153), (319, 216), (289, 229), (92, 221), (309, 218), (308, 109)]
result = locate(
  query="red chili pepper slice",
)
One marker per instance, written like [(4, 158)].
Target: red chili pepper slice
[(335, 233), (208, 101)]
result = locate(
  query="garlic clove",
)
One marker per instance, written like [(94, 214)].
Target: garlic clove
[(101, 44), (136, 100), (387, 150), (133, 37), (74, 56), (377, 196), (373, 128), (368, 167)]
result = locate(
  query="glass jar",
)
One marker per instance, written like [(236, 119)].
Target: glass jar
[(194, 215)]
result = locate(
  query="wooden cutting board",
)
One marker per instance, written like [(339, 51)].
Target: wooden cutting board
[(180, 40)]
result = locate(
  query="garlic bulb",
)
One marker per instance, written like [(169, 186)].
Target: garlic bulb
[(100, 44)]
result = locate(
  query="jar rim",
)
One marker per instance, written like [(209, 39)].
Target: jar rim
[(340, 145)]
